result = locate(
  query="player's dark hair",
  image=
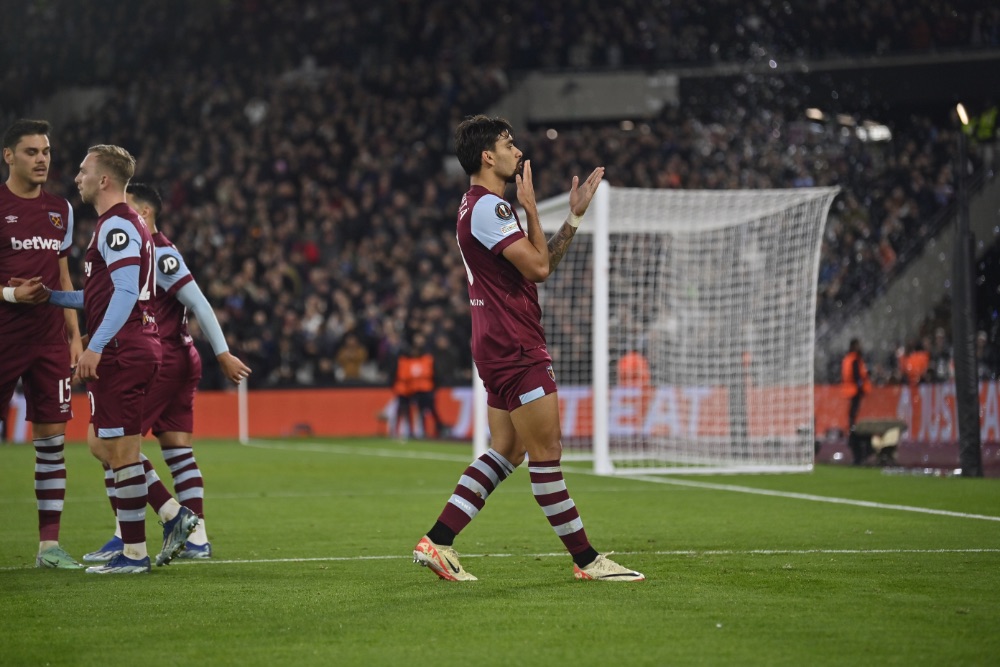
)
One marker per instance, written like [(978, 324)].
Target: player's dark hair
[(23, 127), (476, 134), (148, 194)]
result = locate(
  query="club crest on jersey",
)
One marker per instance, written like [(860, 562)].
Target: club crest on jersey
[(116, 239), (552, 373), (56, 220), (503, 211)]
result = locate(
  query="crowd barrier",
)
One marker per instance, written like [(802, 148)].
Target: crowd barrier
[(927, 409)]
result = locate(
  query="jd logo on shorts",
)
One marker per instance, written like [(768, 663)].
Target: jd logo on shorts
[(117, 239)]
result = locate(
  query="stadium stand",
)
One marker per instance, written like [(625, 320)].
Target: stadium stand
[(302, 147)]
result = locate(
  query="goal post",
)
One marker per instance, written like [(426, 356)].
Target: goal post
[(681, 324)]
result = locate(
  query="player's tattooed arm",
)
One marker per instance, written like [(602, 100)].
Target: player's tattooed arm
[(559, 243)]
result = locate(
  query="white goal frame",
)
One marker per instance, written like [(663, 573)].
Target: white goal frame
[(678, 212)]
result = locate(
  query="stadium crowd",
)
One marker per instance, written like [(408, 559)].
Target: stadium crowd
[(302, 157)]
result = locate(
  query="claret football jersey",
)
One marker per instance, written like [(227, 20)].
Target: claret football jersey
[(120, 239), (34, 234), (506, 316), (171, 275)]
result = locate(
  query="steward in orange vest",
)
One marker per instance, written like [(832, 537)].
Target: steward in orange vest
[(854, 373), (854, 376)]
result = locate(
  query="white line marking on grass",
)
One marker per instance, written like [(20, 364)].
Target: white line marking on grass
[(819, 499), (562, 554), (365, 451)]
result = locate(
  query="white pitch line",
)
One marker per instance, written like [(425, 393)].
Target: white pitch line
[(676, 553), (818, 499), (361, 451)]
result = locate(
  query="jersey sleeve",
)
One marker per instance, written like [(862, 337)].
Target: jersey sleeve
[(171, 271), (494, 223), (67, 242), (119, 243)]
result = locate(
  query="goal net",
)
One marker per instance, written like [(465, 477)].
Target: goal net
[(682, 326)]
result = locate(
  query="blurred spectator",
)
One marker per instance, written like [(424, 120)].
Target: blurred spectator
[(308, 172), (942, 368), (987, 362), (351, 357), (633, 370), (914, 362), (424, 382)]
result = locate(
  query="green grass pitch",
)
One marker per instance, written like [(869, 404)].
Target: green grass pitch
[(313, 566)]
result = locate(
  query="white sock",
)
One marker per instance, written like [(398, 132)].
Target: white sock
[(199, 536), (169, 510), (136, 551)]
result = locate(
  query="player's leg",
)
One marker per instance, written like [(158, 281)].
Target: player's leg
[(50, 494), (475, 485), (171, 408), (120, 453), (536, 423), (189, 487), (158, 497), (47, 397), (115, 438), (427, 406), (113, 546), (404, 411)]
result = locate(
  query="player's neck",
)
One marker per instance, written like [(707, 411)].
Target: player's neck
[(107, 199), (24, 190), (491, 182)]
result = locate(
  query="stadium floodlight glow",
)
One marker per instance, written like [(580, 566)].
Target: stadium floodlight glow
[(814, 114), (962, 115), (871, 130)]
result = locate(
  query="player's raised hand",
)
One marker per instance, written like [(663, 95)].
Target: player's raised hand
[(581, 194), (525, 187), (233, 368)]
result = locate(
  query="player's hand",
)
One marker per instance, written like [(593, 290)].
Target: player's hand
[(581, 194), (526, 188), (29, 290), (233, 368), (76, 347), (86, 367)]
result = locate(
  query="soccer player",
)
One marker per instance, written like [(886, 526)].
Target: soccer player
[(123, 355), (43, 344), (504, 260), (170, 402)]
